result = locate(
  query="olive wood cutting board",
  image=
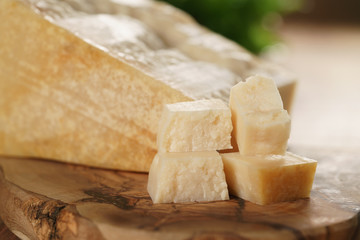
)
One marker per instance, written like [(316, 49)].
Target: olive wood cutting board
[(42, 199)]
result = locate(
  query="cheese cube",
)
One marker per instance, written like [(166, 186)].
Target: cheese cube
[(187, 177), (269, 179), (257, 94), (203, 125), (261, 126), (261, 133)]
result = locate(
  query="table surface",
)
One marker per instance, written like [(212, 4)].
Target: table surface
[(326, 112), (5, 233), (52, 200)]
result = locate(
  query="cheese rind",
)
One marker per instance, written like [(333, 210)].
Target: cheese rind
[(269, 179), (260, 125), (203, 125), (187, 177)]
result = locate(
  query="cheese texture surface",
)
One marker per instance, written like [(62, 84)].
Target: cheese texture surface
[(261, 126), (178, 30), (187, 177), (263, 132), (257, 94), (88, 82), (269, 179), (203, 125)]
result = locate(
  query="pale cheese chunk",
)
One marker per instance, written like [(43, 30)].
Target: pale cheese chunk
[(269, 179), (260, 124), (203, 125), (262, 133), (187, 177), (256, 94)]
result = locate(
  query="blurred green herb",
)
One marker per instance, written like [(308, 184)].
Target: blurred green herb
[(251, 23)]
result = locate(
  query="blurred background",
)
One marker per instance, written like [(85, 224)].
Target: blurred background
[(319, 40)]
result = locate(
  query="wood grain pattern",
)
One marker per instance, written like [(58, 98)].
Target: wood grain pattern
[(49, 200), (5, 233)]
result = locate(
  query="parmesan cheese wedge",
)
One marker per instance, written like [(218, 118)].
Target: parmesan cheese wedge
[(269, 179), (261, 126), (90, 88), (203, 125), (88, 82), (187, 177)]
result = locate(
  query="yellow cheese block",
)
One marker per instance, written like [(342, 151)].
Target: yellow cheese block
[(261, 126), (203, 125), (187, 177), (85, 81), (269, 179)]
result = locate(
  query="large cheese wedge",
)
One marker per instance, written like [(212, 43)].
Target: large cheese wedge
[(187, 177), (203, 125), (261, 126), (90, 88), (179, 30), (269, 179), (85, 81)]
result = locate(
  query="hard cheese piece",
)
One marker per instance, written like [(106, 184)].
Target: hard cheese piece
[(262, 132), (187, 177), (261, 126), (257, 94), (89, 88), (203, 125), (87, 83), (179, 30), (269, 179)]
